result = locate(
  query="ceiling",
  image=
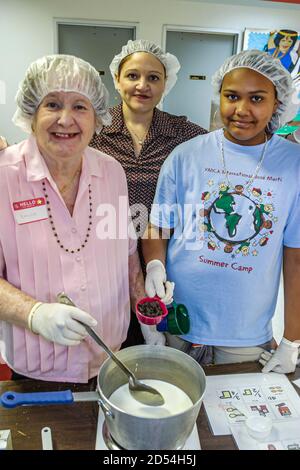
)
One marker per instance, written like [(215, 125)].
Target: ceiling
[(285, 1), (282, 4)]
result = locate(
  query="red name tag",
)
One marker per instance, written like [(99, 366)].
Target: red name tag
[(40, 201)]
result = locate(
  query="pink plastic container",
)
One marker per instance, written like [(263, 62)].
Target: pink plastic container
[(151, 320)]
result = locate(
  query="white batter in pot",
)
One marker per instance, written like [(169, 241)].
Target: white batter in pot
[(176, 400)]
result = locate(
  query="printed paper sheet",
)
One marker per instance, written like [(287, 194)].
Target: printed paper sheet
[(230, 399)]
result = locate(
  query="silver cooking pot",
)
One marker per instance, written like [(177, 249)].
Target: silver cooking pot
[(151, 362)]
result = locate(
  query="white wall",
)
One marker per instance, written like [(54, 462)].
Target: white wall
[(27, 32), (27, 29)]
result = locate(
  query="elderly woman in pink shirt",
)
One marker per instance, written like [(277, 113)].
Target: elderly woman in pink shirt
[(64, 227)]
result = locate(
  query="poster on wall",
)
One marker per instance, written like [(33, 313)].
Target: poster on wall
[(284, 44)]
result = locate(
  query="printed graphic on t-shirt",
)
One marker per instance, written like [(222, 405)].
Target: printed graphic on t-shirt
[(239, 220)]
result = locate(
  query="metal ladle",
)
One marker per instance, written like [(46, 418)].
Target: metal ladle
[(139, 390)]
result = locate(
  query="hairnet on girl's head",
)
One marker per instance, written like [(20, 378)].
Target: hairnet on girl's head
[(169, 61), (274, 71), (60, 73)]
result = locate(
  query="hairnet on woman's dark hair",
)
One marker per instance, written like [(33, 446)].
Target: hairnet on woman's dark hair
[(274, 71)]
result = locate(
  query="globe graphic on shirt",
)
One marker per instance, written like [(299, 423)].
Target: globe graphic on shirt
[(235, 218)]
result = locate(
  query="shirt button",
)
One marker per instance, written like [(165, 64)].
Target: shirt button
[(74, 230), (83, 287), (78, 259)]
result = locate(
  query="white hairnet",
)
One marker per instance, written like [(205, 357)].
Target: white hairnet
[(60, 73), (274, 71), (169, 61)]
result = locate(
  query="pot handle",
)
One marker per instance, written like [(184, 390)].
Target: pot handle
[(14, 399), (106, 410)]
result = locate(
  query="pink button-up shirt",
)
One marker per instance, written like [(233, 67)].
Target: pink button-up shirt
[(96, 278)]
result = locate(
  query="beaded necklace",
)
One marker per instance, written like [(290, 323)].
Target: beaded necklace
[(86, 238)]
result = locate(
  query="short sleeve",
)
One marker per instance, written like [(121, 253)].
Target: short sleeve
[(123, 190), (2, 262), (164, 211), (291, 237)]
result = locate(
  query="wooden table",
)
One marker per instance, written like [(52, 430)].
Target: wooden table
[(74, 426)]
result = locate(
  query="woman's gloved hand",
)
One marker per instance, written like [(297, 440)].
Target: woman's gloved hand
[(156, 282), (152, 336), (283, 360), (60, 323)]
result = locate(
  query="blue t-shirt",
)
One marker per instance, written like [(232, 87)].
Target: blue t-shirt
[(225, 254)]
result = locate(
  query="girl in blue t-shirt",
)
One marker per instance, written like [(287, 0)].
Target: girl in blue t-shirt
[(256, 98)]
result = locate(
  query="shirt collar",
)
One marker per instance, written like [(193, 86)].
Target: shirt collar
[(163, 124), (35, 165)]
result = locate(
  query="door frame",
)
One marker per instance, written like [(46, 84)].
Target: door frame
[(237, 34), (83, 22)]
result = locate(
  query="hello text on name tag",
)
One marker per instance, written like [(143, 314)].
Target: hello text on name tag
[(31, 210)]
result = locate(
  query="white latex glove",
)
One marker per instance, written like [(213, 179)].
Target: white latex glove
[(283, 360), (57, 323), (296, 135), (152, 336), (156, 282)]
